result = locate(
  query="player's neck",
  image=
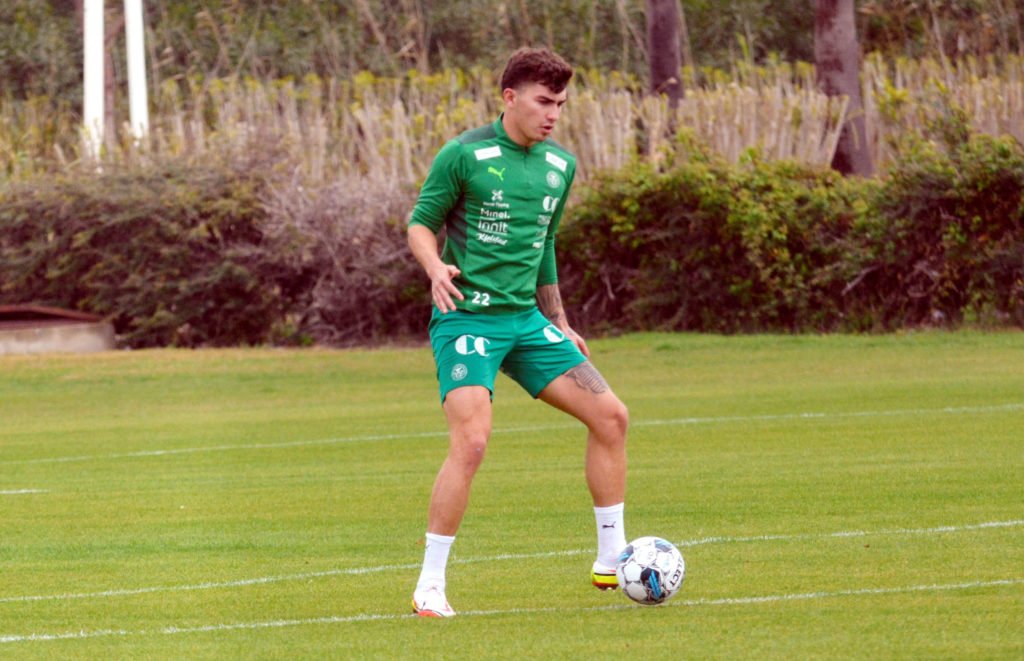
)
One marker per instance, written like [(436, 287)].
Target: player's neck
[(514, 133)]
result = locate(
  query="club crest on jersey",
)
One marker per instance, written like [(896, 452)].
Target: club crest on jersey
[(554, 179)]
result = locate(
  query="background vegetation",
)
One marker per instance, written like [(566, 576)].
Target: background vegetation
[(288, 141)]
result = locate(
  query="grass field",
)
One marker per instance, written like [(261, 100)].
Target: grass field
[(833, 496)]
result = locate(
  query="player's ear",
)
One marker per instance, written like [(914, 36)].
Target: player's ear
[(509, 95)]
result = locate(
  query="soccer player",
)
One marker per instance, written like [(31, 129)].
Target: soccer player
[(499, 191)]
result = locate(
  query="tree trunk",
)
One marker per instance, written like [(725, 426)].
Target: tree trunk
[(837, 61), (663, 23)]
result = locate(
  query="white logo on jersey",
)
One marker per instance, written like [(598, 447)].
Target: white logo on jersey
[(557, 161), (467, 345), (550, 203), (554, 180), (497, 196), (487, 152)]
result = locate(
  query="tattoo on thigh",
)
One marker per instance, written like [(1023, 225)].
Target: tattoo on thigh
[(587, 377)]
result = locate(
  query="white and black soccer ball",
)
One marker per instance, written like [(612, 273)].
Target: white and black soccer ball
[(650, 570)]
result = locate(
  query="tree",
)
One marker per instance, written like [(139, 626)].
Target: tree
[(663, 25), (837, 62)]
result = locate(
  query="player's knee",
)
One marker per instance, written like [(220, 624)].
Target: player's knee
[(620, 418), (469, 449), (615, 420)]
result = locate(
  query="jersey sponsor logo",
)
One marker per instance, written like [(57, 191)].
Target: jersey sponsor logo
[(554, 335), (469, 345), (491, 214), (554, 179), (495, 227), (487, 152), (459, 372), (557, 161), (490, 238), (500, 174), (498, 195)]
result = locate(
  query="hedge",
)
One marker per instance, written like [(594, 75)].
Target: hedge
[(700, 245), (172, 253), (237, 253)]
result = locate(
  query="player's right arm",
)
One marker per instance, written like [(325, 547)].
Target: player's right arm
[(439, 194), (423, 245)]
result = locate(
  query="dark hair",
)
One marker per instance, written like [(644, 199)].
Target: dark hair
[(536, 65)]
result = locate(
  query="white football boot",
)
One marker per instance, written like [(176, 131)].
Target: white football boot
[(431, 602)]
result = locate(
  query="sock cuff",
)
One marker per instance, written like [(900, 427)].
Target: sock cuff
[(440, 539), (611, 509)]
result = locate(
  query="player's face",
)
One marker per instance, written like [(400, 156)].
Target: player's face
[(531, 112)]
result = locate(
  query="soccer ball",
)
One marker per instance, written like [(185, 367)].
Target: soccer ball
[(650, 570)]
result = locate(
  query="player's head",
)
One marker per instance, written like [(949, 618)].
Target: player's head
[(533, 88), (536, 65)]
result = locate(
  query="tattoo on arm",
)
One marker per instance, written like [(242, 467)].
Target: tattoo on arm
[(549, 300), (587, 377)]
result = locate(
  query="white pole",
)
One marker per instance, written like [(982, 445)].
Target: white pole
[(92, 83), (135, 37)]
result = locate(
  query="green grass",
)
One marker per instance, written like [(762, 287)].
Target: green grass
[(271, 504)]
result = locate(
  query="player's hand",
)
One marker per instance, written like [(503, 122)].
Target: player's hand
[(578, 340), (442, 289)]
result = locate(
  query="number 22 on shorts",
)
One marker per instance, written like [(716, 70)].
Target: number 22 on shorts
[(482, 299)]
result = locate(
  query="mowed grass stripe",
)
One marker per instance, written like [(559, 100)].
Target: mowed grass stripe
[(356, 571), (374, 438), (371, 617)]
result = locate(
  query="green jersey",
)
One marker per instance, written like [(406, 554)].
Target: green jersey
[(501, 204)]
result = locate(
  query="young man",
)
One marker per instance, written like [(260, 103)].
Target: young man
[(500, 191)]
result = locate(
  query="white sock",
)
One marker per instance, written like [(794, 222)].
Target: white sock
[(611, 533), (435, 560)]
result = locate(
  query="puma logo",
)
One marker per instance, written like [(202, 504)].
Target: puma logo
[(500, 174), (607, 525)]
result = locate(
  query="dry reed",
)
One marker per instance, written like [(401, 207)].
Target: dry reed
[(388, 129)]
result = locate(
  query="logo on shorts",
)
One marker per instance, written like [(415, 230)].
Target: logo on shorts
[(459, 372), (554, 335), (468, 345)]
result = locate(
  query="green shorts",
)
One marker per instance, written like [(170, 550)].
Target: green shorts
[(470, 348)]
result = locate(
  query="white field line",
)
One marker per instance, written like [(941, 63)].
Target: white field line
[(370, 617), (373, 438), (21, 492), (358, 571)]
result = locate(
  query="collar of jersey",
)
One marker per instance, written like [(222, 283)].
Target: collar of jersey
[(499, 128)]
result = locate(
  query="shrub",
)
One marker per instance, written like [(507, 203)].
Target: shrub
[(952, 240), (367, 286), (703, 245), (706, 246), (172, 253)]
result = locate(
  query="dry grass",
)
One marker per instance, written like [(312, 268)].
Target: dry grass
[(905, 95), (388, 129)]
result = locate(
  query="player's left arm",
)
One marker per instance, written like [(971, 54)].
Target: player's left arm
[(549, 300)]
